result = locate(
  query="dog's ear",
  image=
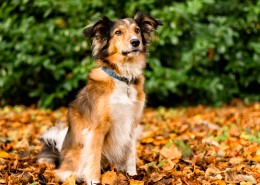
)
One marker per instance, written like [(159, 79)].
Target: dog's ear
[(99, 33), (99, 29), (147, 24)]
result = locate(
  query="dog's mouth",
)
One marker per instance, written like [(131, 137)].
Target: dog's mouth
[(132, 52)]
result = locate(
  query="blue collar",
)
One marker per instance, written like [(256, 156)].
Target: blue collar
[(111, 73)]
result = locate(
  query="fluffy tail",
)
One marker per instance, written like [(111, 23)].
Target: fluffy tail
[(53, 140)]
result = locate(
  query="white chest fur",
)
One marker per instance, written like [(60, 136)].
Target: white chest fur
[(122, 102), (123, 94), (122, 106)]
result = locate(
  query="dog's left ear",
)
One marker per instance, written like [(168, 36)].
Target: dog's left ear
[(147, 24)]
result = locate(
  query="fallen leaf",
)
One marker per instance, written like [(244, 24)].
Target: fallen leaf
[(3, 181), (212, 171), (136, 182), (170, 152), (121, 179), (236, 160), (256, 158), (183, 147), (155, 176), (4, 155), (168, 165), (164, 181), (233, 177), (221, 182), (245, 183), (247, 178), (70, 180), (109, 177)]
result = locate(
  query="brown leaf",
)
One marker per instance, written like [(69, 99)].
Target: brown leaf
[(236, 160), (164, 181), (171, 152), (156, 176), (168, 165), (247, 178), (233, 177), (109, 177), (213, 172), (122, 180)]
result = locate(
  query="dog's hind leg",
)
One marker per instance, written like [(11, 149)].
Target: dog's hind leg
[(53, 139), (69, 163), (48, 154)]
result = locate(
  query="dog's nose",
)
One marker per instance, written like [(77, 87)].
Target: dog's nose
[(135, 42)]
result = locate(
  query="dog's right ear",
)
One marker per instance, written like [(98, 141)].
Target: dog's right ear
[(99, 33), (99, 29)]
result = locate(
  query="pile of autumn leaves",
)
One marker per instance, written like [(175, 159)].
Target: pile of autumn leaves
[(195, 145)]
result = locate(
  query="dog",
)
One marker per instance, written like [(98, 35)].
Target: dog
[(104, 117)]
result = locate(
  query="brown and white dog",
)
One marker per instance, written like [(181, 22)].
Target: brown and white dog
[(103, 119)]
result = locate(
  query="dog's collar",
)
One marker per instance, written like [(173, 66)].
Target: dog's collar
[(111, 73)]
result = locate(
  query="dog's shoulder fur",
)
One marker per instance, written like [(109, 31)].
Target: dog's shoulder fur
[(103, 119)]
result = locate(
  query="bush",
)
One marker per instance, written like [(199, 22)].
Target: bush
[(208, 51)]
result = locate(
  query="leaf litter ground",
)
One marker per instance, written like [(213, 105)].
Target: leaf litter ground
[(194, 145)]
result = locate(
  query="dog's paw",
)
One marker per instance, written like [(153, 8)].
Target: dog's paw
[(63, 175), (93, 182), (132, 172)]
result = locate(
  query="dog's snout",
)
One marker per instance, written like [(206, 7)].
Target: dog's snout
[(135, 42)]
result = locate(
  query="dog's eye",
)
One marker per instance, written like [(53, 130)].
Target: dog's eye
[(137, 30), (118, 32)]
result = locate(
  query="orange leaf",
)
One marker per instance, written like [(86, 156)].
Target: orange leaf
[(109, 177), (221, 182), (4, 155), (70, 180), (136, 182), (170, 153)]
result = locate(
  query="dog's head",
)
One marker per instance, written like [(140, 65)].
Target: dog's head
[(127, 37)]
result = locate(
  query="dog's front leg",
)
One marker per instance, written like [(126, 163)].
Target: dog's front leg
[(90, 167), (131, 161)]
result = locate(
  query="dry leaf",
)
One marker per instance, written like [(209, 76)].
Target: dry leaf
[(122, 180), (155, 176), (212, 171), (4, 155), (136, 182), (109, 177), (236, 160), (247, 178), (171, 152), (221, 182), (70, 180)]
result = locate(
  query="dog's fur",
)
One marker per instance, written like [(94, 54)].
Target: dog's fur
[(103, 119)]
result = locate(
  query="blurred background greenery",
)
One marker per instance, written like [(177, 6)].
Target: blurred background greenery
[(208, 51)]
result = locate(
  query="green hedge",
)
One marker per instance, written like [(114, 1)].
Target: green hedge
[(208, 51)]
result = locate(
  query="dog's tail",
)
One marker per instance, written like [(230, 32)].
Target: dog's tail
[(53, 140)]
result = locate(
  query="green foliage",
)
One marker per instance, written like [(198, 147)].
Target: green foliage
[(223, 135), (184, 148), (208, 51)]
